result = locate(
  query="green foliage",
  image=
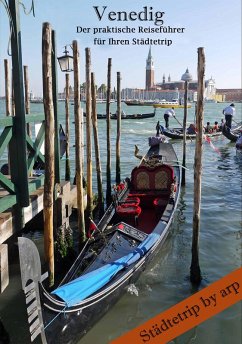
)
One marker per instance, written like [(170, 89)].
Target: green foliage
[(64, 240)]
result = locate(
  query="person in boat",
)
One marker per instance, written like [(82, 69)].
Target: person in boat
[(229, 113), (238, 144), (191, 129), (216, 127), (221, 124), (208, 128), (169, 113)]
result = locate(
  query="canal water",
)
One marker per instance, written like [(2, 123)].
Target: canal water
[(166, 280)]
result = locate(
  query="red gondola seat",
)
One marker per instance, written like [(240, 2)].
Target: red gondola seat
[(129, 211)]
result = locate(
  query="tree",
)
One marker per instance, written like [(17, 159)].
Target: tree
[(102, 91)]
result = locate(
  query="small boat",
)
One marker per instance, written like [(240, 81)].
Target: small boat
[(126, 116), (233, 133), (166, 104), (100, 101), (138, 102), (177, 133), (37, 101), (132, 230)]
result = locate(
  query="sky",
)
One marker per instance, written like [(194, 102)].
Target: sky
[(214, 25)]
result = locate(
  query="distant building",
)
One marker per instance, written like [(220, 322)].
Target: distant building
[(62, 95), (169, 89), (149, 81), (233, 94)]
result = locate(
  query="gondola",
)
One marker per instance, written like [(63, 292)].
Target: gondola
[(126, 116), (177, 133), (130, 233), (233, 133)]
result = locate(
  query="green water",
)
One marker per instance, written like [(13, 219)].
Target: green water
[(166, 280)]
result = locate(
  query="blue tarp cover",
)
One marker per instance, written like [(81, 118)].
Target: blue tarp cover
[(82, 287)]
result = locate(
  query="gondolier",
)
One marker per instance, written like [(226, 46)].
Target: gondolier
[(168, 113), (229, 112)]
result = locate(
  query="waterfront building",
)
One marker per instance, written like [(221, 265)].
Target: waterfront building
[(230, 95)]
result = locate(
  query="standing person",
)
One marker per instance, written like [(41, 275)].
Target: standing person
[(168, 113), (229, 112)]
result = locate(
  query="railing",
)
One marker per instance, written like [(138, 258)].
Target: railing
[(9, 189)]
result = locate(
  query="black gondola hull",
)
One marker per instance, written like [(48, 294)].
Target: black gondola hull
[(62, 324)]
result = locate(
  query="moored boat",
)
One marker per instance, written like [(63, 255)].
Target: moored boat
[(131, 232), (138, 102), (233, 133), (126, 116), (36, 100)]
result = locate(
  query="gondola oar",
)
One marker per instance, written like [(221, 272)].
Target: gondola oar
[(235, 122)]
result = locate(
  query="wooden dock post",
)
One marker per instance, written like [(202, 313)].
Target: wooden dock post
[(88, 133), (49, 149), (55, 106), (7, 88), (185, 77), (118, 170), (97, 150), (78, 144), (4, 269), (108, 170), (67, 108), (195, 273), (183, 180)]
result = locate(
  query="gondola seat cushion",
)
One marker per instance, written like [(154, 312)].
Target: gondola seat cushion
[(149, 183), (128, 210), (132, 200)]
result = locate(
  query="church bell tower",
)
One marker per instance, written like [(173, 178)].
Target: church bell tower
[(149, 82)]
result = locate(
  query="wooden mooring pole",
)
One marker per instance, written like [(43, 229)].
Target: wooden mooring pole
[(96, 146), (78, 144), (67, 108), (49, 149), (108, 170), (7, 88), (118, 170), (183, 181), (56, 112), (89, 133), (195, 273)]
